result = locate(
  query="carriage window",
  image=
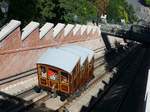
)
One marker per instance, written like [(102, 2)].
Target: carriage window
[(43, 71), (64, 77), (52, 74)]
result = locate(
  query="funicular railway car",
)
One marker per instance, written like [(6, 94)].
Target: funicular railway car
[(90, 70), (83, 63), (63, 70)]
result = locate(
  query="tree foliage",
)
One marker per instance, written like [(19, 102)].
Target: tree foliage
[(82, 9), (23, 10), (69, 11), (102, 6), (45, 10), (147, 2), (51, 10), (120, 9)]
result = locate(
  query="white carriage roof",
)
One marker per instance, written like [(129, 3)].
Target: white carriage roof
[(68, 29), (83, 29), (83, 55), (76, 29), (45, 29), (84, 49), (60, 59), (29, 29), (57, 29), (6, 30)]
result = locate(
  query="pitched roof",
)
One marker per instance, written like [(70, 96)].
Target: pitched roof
[(76, 29), (83, 29), (60, 59), (6, 30), (89, 28), (57, 29), (68, 29), (29, 29), (45, 29)]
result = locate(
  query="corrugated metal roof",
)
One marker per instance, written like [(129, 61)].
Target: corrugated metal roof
[(60, 59), (28, 29), (45, 29), (83, 55), (12, 25), (84, 49)]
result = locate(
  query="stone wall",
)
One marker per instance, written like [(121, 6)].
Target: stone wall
[(14, 39)]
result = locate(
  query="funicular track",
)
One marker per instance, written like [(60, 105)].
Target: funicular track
[(99, 78), (117, 91), (32, 72), (45, 97), (36, 98)]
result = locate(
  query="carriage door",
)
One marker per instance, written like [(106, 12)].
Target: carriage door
[(42, 76), (64, 82), (53, 77)]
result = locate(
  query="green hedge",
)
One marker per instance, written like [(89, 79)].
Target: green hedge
[(147, 2)]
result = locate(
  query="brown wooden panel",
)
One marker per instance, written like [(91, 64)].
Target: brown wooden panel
[(43, 82), (64, 88), (12, 41)]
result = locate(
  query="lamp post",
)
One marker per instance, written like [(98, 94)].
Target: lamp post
[(4, 8)]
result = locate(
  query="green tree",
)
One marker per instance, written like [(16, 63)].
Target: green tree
[(51, 10), (23, 10), (45, 10), (83, 9), (147, 2), (120, 9)]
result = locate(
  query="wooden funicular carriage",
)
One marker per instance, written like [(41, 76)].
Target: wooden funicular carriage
[(64, 70)]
